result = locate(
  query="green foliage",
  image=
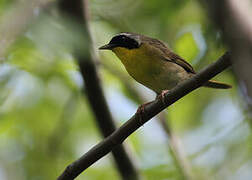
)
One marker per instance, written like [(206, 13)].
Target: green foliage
[(186, 47), (46, 122)]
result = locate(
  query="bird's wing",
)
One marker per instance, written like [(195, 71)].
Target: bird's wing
[(168, 55), (172, 57)]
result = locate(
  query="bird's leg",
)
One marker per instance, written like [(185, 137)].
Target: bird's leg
[(140, 111), (161, 96)]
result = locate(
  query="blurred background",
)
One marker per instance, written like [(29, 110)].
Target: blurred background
[(46, 121)]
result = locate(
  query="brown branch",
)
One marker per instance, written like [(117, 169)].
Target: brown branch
[(104, 119), (135, 122), (234, 19), (93, 89), (175, 146)]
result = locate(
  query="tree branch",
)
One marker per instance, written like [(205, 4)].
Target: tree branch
[(135, 122), (175, 147), (78, 9)]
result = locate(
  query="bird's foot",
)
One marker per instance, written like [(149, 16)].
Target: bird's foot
[(140, 112), (161, 96)]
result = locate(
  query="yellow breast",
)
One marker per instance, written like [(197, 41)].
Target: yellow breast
[(146, 67), (137, 62)]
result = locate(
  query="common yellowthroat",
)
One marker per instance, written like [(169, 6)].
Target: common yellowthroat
[(151, 63)]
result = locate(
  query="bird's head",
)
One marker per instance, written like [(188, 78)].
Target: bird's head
[(123, 40)]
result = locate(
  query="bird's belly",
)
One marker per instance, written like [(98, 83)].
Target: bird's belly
[(160, 77), (150, 69)]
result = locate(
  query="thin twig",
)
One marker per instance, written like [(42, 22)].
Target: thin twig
[(137, 120), (176, 149)]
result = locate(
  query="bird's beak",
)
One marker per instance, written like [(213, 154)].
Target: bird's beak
[(107, 46)]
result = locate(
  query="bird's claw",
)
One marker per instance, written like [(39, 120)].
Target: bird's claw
[(161, 96)]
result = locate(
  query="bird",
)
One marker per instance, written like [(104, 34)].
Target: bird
[(151, 63)]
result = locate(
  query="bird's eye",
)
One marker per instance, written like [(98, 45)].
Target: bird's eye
[(123, 38)]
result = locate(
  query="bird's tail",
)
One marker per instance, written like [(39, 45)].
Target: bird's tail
[(217, 85)]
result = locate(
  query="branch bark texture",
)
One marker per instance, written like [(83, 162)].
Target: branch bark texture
[(135, 122)]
